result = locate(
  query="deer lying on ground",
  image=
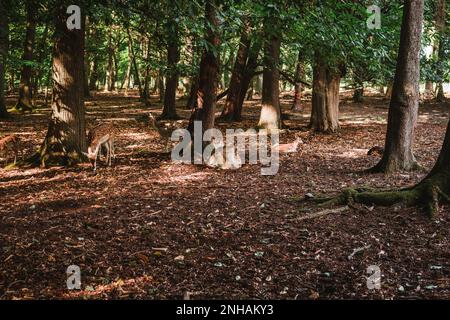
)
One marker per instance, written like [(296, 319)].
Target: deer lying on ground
[(101, 138), (9, 144), (288, 147)]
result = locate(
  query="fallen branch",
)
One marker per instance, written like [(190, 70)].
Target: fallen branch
[(323, 213)]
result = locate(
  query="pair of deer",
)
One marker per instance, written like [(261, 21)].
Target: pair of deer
[(101, 140)]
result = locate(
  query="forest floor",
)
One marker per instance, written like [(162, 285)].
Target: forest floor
[(147, 228)]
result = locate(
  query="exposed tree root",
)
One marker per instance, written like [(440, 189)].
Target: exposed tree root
[(428, 194)]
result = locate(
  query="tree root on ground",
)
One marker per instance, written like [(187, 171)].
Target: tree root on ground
[(428, 195)]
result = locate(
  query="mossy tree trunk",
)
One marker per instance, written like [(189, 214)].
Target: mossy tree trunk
[(4, 44), (25, 102), (404, 103), (66, 137)]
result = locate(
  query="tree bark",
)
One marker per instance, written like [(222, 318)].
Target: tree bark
[(137, 78), (41, 51), (429, 93), (86, 64), (441, 28), (109, 80), (66, 137), (325, 97), (127, 79), (25, 102), (250, 68), (234, 89), (93, 74), (404, 103), (209, 71), (4, 48), (270, 117), (298, 87), (173, 57)]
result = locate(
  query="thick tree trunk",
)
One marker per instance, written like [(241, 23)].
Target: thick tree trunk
[(173, 57), (270, 117), (66, 137), (25, 102), (325, 98), (298, 87), (4, 44), (209, 72), (234, 89), (404, 104)]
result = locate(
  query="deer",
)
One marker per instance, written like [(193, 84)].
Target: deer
[(101, 138), (289, 147), (164, 132), (9, 144)]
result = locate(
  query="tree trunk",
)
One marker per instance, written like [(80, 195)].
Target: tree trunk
[(298, 87), (40, 57), (234, 89), (109, 80), (137, 78), (441, 28), (388, 94), (66, 137), (270, 117), (126, 82), (161, 86), (209, 71), (86, 64), (404, 104), (25, 102), (429, 93), (4, 44), (173, 57), (93, 74), (325, 97), (192, 100), (358, 94), (250, 68)]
